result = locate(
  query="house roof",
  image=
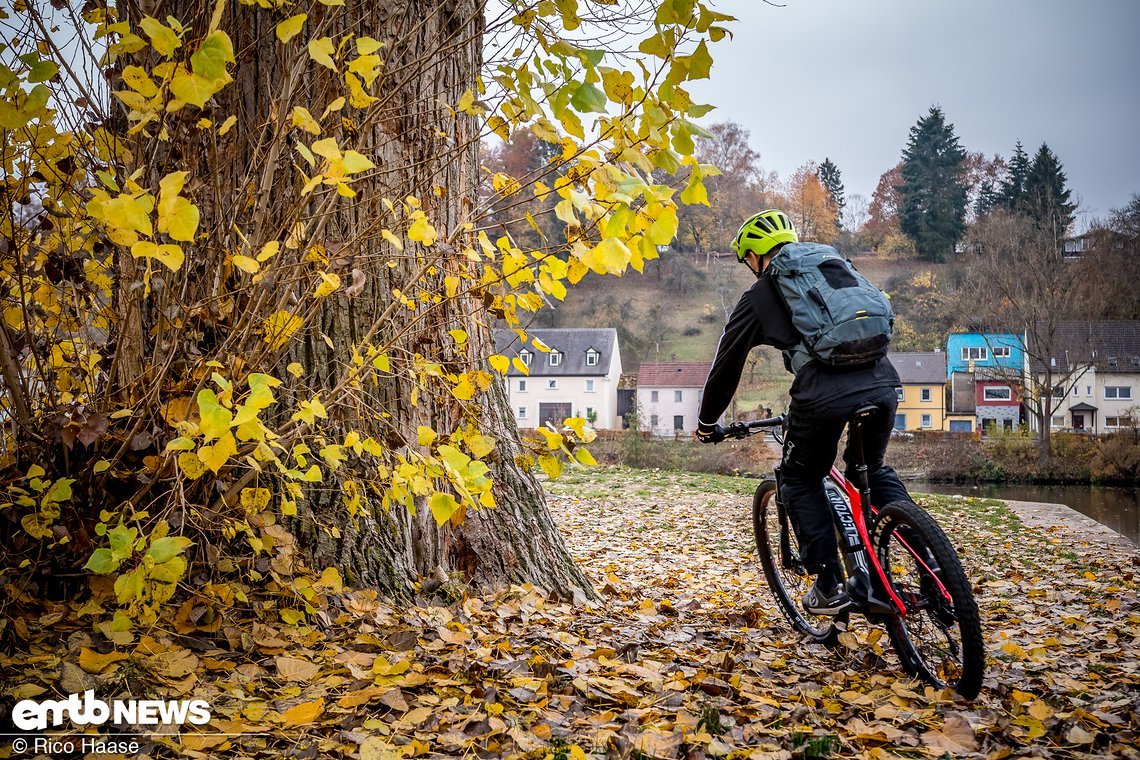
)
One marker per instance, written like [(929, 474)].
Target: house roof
[(672, 375), (571, 342), (927, 367), (1111, 346), (1082, 407)]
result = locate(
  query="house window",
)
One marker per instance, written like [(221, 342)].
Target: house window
[(1088, 391), (653, 421), (1076, 391), (522, 412), (926, 421), (900, 422), (525, 357), (590, 386), (1058, 421), (925, 394), (590, 412), (1117, 422), (591, 358), (555, 358), (975, 353), (677, 396), (899, 393), (997, 393), (551, 385), (653, 397), (678, 422), (1001, 352), (1118, 391), (522, 386)]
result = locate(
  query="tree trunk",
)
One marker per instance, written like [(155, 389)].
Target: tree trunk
[(432, 55)]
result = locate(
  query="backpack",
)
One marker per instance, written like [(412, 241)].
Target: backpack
[(844, 320)]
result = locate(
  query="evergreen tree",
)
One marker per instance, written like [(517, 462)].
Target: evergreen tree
[(1047, 199), (932, 190), (1012, 194), (828, 174), (989, 198)]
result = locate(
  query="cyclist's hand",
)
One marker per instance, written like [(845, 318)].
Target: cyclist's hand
[(714, 434)]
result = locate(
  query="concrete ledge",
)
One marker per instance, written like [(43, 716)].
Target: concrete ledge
[(1041, 514)]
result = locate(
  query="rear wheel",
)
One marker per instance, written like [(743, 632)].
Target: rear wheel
[(785, 572), (940, 638)]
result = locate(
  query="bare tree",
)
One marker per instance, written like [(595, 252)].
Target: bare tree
[(1022, 281)]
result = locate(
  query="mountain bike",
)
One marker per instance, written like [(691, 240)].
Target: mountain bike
[(901, 570)]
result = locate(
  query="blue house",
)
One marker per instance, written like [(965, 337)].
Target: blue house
[(987, 353)]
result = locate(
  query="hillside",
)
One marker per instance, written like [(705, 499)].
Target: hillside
[(676, 309)]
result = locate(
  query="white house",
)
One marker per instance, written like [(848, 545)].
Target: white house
[(577, 378), (1097, 370), (669, 396)]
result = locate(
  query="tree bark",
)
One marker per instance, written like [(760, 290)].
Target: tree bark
[(432, 55)]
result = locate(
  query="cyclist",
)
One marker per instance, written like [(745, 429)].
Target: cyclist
[(822, 401)]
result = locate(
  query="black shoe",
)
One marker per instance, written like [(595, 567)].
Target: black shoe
[(819, 602)]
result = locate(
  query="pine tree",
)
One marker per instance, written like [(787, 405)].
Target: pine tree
[(1012, 193), (932, 189), (1047, 199), (989, 198), (828, 174)]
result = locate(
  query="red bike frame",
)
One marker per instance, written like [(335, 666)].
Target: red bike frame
[(860, 517)]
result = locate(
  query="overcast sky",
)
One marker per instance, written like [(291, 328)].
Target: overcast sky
[(848, 78)]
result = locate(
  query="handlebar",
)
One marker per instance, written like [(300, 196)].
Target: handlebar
[(745, 429)]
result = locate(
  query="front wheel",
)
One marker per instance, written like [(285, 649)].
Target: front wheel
[(780, 557), (940, 638)]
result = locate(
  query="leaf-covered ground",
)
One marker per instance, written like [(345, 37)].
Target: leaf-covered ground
[(686, 655)]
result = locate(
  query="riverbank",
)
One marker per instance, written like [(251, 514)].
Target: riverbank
[(1013, 457)]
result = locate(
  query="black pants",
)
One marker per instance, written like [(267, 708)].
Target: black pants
[(810, 446)]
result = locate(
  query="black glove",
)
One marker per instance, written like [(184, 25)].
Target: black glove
[(714, 434)]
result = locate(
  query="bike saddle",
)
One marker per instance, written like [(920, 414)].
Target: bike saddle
[(864, 413)]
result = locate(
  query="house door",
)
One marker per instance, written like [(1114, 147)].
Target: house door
[(554, 413), (1078, 422)]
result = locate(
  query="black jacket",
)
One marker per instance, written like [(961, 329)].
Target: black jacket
[(761, 318)]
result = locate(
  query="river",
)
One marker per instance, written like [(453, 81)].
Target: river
[(1118, 508)]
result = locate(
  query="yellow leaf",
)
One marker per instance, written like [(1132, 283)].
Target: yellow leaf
[(499, 363), (328, 285), (330, 580), (162, 38), (392, 239), (246, 264), (321, 51), (216, 455), (552, 466), (190, 465), (254, 499), (94, 662), (269, 250), (167, 254), (480, 445), (425, 435), (279, 327), (336, 105), (303, 119), (295, 369), (304, 713), (421, 230), (291, 27), (443, 506)]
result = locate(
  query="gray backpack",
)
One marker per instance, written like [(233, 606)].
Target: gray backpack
[(845, 321)]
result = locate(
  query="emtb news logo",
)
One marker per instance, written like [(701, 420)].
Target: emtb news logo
[(32, 715)]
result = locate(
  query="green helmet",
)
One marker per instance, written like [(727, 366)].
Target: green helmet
[(763, 232)]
